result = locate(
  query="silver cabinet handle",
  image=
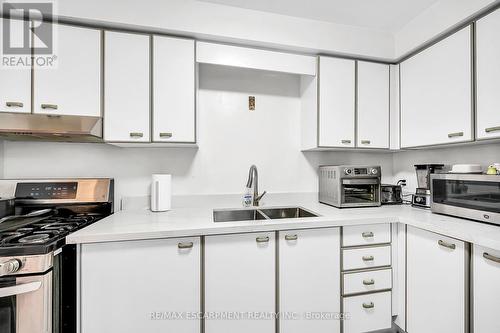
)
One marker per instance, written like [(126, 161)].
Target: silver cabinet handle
[(368, 305), (165, 135), (368, 258), (492, 129), (456, 134), (365, 142), (491, 257), (447, 245), (367, 234), (14, 104), (346, 142), (136, 134), (186, 245), (291, 237), (49, 106), (262, 239), (369, 282)]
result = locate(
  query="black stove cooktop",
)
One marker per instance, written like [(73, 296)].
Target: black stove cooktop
[(43, 235)]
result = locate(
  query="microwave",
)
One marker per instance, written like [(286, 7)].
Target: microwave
[(349, 186), (471, 196)]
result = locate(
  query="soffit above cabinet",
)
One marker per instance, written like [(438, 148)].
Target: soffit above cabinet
[(236, 56)]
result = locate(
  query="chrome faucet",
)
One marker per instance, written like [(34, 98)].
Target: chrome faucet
[(253, 179)]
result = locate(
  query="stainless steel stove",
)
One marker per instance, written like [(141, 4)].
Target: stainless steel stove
[(37, 268)]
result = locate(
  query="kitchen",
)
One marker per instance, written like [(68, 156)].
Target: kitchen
[(204, 97)]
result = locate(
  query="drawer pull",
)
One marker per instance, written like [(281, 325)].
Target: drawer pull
[(14, 104), (346, 142), (262, 239), (136, 135), (370, 282), (291, 237), (368, 258), (491, 257), (447, 245), (165, 135), (368, 305), (365, 142), (456, 134), (367, 234), (49, 106), (492, 129), (186, 245)]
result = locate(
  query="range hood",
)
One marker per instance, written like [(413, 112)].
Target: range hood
[(38, 127)]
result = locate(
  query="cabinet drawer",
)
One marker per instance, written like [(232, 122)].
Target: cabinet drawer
[(367, 312), (362, 282), (366, 234), (368, 257)]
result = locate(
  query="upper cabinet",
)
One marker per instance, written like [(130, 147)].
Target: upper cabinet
[(126, 87), (436, 93), (373, 105), (488, 76), (15, 83), (73, 87), (173, 90), (337, 91)]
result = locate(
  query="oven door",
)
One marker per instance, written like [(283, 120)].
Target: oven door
[(25, 304), (360, 192)]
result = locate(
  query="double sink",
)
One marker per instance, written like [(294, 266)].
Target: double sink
[(232, 215)]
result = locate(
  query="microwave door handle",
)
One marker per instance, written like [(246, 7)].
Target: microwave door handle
[(20, 289), (368, 181)]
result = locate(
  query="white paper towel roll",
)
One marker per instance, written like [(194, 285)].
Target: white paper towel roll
[(161, 193)]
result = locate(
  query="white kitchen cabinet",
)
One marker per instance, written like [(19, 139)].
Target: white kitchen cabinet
[(240, 281), (337, 90), (373, 105), (173, 90), (486, 289), (15, 82), (126, 87), (436, 93), (436, 283), (309, 279), (73, 87), (488, 76), (368, 313), (134, 286)]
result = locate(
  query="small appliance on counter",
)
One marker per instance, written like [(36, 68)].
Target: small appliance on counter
[(161, 193), (422, 196), (349, 186), (392, 194)]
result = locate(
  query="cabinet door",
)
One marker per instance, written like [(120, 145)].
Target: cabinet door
[(486, 289), (126, 87), (73, 87), (488, 76), (436, 283), (373, 105), (240, 280), (174, 90), (436, 93), (145, 286), (15, 82), (336, 102), (309, 279)]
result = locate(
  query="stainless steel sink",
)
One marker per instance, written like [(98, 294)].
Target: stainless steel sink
[(232, 215)]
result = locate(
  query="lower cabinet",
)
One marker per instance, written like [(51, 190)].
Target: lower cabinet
[(146, 286), (309, 281), (486, 289), (436, 283), (240, 279)]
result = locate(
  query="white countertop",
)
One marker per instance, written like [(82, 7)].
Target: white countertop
[(193, 216)]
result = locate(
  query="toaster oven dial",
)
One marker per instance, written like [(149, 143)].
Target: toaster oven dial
[(373, 171), (348, 171)]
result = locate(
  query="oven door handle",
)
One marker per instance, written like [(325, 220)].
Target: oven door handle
[(22, 288), (365, 181)]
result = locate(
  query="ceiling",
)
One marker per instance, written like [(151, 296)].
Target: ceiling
[(388, 15)]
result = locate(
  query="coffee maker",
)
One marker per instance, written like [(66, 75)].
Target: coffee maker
[(422, 196)]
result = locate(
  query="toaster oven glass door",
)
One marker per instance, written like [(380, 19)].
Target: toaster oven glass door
[(472, 194), (356, 192)]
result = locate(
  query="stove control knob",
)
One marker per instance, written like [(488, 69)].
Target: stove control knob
[(348, 171), (374, 171), (418, 199), (10, 266)]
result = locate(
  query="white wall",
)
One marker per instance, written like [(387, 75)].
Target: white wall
[(231, 138)]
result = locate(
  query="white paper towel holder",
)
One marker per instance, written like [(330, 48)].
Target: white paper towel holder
[(161, 192)]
